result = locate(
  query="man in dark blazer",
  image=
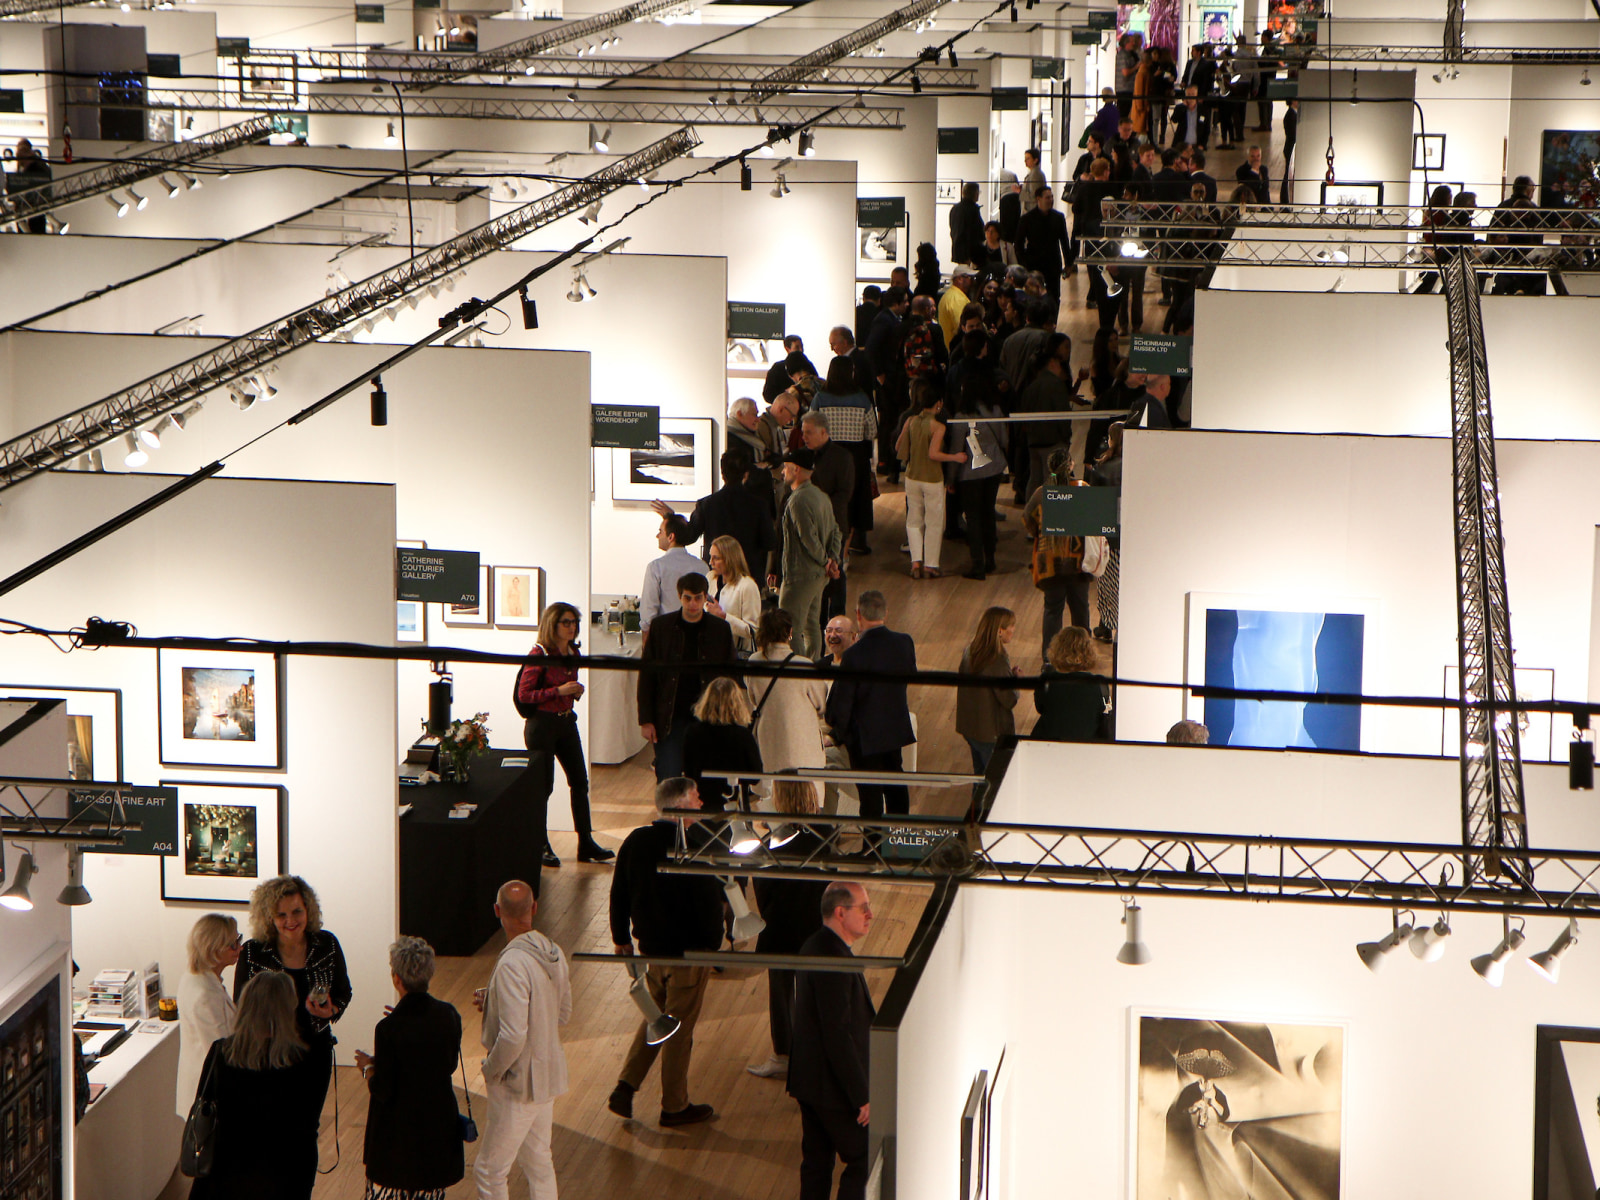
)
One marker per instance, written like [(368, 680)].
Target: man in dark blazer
[(666, 698), (870, 719), (829, 1057), (742, 512), (1197, 159), (1190, 121), (1042, 241)]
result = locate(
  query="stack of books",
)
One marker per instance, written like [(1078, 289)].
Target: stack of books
[(114, 994)]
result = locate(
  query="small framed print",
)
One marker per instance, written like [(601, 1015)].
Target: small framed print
[(518, 597), (1427, 152), (947, 191), (472, 615), (410, 621), (219, 708), (230, 838), (94, 727), (1352, 195)]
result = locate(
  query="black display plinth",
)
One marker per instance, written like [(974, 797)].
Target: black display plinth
[(450, 868)]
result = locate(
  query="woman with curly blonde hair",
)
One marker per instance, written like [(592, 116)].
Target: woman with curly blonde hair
[(286, 934)]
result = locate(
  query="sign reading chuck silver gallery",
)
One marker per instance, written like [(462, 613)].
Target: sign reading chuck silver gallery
[(624, 427), (436, 576), (1160, 354), (1081, 511), (153, 809)]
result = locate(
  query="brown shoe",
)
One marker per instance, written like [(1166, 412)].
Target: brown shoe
[(693, 1114)]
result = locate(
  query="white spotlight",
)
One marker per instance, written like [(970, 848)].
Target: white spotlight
[(1375, 953), (135, 457), (1583, 79), (121, 206), (1492, 966), (139, 201), (1428, 942), (150, 438), (599, 139), (659, 1026), (1547, 963), (574, 293), (591, 215), (742, 839), (16, 896), (172, 188), (746, 924), (1134, 952), (191, 181), (389, 138), (264, 390)]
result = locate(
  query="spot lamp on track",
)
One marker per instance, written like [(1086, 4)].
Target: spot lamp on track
[(120, 206), (1374, 954), (16, 896), (599, 139), (139, 202), (1547, 963), (1428, 942), (136, 456), (1134, 952), (659, 1026), (74, 893), (746, 924), (1492, 966)]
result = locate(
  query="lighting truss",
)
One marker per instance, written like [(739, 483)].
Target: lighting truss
[(781, 79), (57, 442), (1493, 816), (1430, 55), (502, 107), (1288, 870), (152, 161), (104, 821), (18, 8), (516, 54)]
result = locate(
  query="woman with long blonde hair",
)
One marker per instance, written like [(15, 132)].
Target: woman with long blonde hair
[(735, 595), (983, 714), (720, 740), (546, 694)]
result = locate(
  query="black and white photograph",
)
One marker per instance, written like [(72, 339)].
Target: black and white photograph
[(1352, 195), (218, 708), (1229, 1109), (410, 621), (681, 468), (1566, 1114), (1427, 152), (94, 727), (230, 837), (877, 251)]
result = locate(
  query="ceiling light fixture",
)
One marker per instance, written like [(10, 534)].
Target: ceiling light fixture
[(1547, 963), (1428, 943), (659, 1026), (136, 457), (389, 138), (780, 188), (591, 215), (120, 205), (139, 201), (599, 139), (1374, 954), (744, 176), (150, 438), (746, 924), (1583, 80), (264, 390), (1492, 966), (1134, 952), (172, 188), (808, 144), (74, 893), (16, 896)]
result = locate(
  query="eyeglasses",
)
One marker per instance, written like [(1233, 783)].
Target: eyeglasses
[(567, 621)]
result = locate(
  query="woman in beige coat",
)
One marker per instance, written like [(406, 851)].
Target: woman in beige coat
[(983, 714), (788, 723)]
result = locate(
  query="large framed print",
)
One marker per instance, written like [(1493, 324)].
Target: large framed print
[(1568, 177), (471, 615), (1225, 1108), (1319, 645), (219, 708), (1566, 1133), (518, 597), (230, 838), (681, 469), (94, 727)]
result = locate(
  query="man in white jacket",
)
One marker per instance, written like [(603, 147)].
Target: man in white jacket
[(528, 997)]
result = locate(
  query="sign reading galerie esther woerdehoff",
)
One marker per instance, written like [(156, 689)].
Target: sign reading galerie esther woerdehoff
[(436, 576), (761, 321), (880, 212), (1081, 511), (1160, 354), (153, 809), (625, 427)]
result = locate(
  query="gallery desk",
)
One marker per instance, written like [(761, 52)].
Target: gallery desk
[(128, 1141), (614, 735), (450, 868)]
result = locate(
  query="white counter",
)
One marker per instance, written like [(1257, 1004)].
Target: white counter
[(128, 1141), (614, 735)]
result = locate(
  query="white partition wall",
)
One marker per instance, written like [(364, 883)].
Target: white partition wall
[(1362, 525), (233, 557), (1372, 139)]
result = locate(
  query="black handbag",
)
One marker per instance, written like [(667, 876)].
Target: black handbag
[(469, 1127), (200, 1130)]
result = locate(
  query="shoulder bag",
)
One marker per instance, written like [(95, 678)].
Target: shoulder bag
[(469, 1127), (772, 681), (200, 1130)]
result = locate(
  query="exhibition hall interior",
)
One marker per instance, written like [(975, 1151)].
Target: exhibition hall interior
[(430, 430)]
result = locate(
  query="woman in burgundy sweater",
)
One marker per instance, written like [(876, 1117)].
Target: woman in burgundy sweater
[(547, 691)]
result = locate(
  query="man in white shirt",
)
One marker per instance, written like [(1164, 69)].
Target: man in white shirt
[(660, 591), (528, 997)]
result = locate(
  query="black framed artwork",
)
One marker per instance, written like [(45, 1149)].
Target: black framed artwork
[(1427, 152), (1355, 194), (231, 837), (1566, 1116), (219, 708)]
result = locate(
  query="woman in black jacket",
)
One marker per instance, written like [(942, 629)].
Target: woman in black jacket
[(267, 1086), (1073, 702), (413, 1147), (926, 271), (720, 740)]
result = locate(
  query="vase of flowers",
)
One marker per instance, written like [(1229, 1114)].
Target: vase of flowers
[(463, 740)]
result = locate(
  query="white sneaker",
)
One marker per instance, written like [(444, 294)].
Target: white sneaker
[(774, 1068)]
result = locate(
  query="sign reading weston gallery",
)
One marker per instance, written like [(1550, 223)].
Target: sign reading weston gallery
[(880, 212), (436, 576), (1081, 511), (761, 321), (624, 427), (153, 809), (1160, 354)]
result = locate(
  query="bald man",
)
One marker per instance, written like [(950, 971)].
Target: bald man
[(528, 998)]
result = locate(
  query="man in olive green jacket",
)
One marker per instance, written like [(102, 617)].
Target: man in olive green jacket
[(812, 545)]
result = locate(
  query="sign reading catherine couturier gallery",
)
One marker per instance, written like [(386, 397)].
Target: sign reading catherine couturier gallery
[(625, 426), (436, 576), (1081, 511), (1160, 354)]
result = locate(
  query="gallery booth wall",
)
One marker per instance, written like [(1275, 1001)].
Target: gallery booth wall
[(1347, 525), (234, 557), (1372, 138), (457, 449), (1434, 1060), (1338, 386)]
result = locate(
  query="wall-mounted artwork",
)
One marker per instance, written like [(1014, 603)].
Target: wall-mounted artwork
[(1294, 22), (1216, 26), (679, 469), (1267, 644), (1566, 1124), (1226, 1109), (1427, 152), (31, 1096), (94, 727), (472, 615), (410, 621), (1568, 176), (230, 838), (218, 708), (1364, 194), (518, 596), (1537, 732)]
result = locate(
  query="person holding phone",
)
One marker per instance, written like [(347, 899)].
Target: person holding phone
[(286, 934)]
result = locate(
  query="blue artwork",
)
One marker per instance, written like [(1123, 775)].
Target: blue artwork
[(1284, 651)]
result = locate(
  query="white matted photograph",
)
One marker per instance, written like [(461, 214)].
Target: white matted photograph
[(94, 727), (681, 468), (230, 838), (410, 621), (471, 615), (218, 708), (518, 597), (1352, 195), (1227, 1108)]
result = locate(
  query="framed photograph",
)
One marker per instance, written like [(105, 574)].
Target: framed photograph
[(1352, 195), (471, 615), (410, 621), (35, 1082), (1427, 152), (879, 250), (1273, 643), (1568, 176), (973, 1129), (94, 727), (1216, 26), (1220, 1104), (1537, 729), (219, 708), (681, 469), (230, 838), (946, 191), (1566, 1133), (518, 597)]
